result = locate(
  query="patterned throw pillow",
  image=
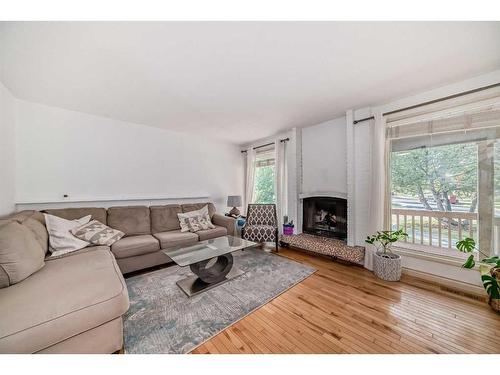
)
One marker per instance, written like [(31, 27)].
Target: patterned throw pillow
[(194, 221), (199, 222), (97, 233)]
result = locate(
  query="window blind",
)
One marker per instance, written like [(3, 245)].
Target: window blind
[(264, 162), (265, 157), (470, 121)]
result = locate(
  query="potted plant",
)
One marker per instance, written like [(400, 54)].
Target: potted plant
[(386, 264), (489, 268)]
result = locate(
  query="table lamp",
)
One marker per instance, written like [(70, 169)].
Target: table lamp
[(234, 201)]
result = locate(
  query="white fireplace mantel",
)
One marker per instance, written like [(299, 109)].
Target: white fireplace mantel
[(333, 194)]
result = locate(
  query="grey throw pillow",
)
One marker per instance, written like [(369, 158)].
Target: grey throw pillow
[(20, 253), (97, 233)]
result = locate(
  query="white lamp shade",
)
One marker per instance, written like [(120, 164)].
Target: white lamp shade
[(234, 201)]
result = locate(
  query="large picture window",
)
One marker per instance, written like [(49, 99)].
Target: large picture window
[(444, 178)]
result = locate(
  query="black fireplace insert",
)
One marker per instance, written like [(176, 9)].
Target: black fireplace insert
[(325, 216)]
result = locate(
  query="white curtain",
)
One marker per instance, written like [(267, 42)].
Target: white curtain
[(280, 183), (379, 201), (250, 174)]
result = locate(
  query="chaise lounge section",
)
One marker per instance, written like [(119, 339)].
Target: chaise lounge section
[(73, 304)]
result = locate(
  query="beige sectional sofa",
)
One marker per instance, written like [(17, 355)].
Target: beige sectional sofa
[(75, 303)]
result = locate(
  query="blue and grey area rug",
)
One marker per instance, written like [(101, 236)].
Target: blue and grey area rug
[(162, 319)]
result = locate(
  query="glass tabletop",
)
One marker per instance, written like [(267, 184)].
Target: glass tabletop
[(203, 250)]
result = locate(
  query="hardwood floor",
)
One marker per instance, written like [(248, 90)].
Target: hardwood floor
[(345, 309)]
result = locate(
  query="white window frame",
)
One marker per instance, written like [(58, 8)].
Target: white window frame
[(485, 231)]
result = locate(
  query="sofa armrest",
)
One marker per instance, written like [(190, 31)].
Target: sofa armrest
[(224, 221)]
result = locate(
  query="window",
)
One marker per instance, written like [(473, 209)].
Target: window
[(444, 180), (264, 187), (434, 193)]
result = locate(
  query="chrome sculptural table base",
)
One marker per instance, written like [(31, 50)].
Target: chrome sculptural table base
[(209, 274)]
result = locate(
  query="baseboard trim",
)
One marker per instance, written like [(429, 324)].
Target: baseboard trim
[(449, 285)]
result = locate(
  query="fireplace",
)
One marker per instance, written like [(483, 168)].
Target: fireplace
[(325, 216)]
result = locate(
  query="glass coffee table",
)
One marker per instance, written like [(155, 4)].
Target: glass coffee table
[(211, 262)]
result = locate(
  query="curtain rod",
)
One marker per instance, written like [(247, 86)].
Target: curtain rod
[(267, 144), (363, 119), (431, 102), (442, 99)]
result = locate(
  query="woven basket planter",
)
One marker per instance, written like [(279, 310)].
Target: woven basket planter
[(495, 304), (387, 266)]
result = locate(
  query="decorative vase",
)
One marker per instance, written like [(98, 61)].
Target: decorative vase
[(387, 266), (287, 230)]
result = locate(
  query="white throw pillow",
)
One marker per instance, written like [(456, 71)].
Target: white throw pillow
[(189, 220), (61, 239)]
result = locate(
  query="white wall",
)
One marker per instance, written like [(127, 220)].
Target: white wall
[(95, 158), (7, 151), (324, 157)]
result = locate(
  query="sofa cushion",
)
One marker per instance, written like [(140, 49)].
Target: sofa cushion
[(39, 231), (20, 253), (70, 295), (164, 218), (135, 245), (176, 237), (35, 221), (96, 213), (131, 220), (206, 234), (25, 214), (196, 206)]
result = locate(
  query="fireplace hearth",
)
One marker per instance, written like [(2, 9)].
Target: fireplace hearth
[(325, 216)]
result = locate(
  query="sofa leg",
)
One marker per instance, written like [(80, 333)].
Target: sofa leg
[(120, 351)]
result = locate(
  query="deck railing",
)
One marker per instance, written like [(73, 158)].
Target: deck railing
[(437, 228)]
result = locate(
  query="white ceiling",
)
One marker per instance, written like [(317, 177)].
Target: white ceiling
[(237, 81)]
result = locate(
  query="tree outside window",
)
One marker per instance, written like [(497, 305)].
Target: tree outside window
[(264, 186), (440, 178), (435, 193)]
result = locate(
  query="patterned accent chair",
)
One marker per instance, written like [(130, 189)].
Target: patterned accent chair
[(262, 224)]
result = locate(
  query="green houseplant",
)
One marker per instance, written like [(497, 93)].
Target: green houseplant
[(386, 264), (489, 268)]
